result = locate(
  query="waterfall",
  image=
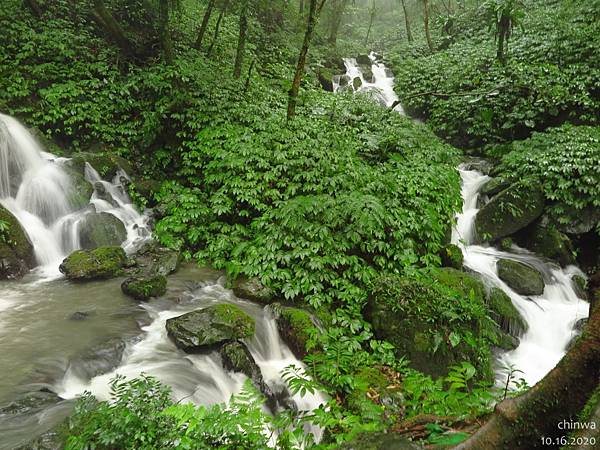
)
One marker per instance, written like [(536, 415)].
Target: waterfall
[(39, 190), (551, 316), (381, 87)]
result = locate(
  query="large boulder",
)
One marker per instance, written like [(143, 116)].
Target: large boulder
[(522, 278), (210, 327), (295, 326), (436, 319), (99, 263), (81, 189), (546, 240), (101, 229), (98, 359), (107, 164), (508, 212), (145, 287), (494, 186), (452, 256), (152, 259), (505, 314), (325, 77), (364, 60), (16, 250), (252, 289)]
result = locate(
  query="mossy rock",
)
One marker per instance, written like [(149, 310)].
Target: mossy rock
[(101, 229), (144, 288), (363, 59), (508, 212), (153, 259), (548, 241), (506, 244), (325, 77), (426, 317), (356, 83), (17, 254), (505, 314), (452, 256), (580, 286), (494, 186), (107, 164), (99, 263), (294, 327), (210, 327), (252, 289), (81, 191), (522, 278), (369, 380)]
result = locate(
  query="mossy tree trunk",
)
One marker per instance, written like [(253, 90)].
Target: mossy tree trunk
[(503, 32), (372, 13), (336, 20), (407, 22), (315, 7), (107, 21), (204, 24), (217, 27), (520, 423), (164, 32), (426, 20), (243, 31)]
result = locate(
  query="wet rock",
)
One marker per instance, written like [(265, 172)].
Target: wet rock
[(253, 289), (209, 327), (452, 256), (81, 315), (481, 165), (344, 80), (101, 229), (81, 191), (584, 221), (508, 212), (545, 240), (580, 324), (505, 314), (152, 259), (521, 277), (363, 60), (99, 359), (30, 402), (356, 83), (368, 74), (295, 326), (107, 164), (580, 286), (16, 250), (103, 194), (145, 287), (100, 263), (494, 186), (325, 77)]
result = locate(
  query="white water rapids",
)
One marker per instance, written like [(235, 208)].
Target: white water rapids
[(551, 316)]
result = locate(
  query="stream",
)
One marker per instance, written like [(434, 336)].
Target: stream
[(58, 337)]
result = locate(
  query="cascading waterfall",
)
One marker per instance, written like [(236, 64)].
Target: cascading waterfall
[(37, 188), (551, 317)]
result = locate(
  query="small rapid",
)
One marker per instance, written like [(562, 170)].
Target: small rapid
[(551, 317)]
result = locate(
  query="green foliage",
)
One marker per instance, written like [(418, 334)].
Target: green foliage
[(4, 232), (564, 162)]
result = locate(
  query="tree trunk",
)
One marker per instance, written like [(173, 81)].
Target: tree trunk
[(164, 32), (522, 422), (204, 25), (239, 54), (371, 18), (407, 22), (503, 28), (107, 21), (315, 7), (35, 7), (301, 7), (217, 27), (426, 19), (336, 20)]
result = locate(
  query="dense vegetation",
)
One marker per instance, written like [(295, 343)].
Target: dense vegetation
[(342, 208)]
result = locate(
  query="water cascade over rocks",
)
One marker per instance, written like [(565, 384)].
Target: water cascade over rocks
[(550, 306), (59, 208)]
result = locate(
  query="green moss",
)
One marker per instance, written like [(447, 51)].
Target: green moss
[(505, 314), (452, 256), (367, 379), (548, 241), (143, 288), (102, 262), (106, 164), (15, 239), (295, 327), (522, 278), (506, 244), (241, 322)]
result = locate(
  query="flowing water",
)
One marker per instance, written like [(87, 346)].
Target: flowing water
[(551, 317), (63, 337)]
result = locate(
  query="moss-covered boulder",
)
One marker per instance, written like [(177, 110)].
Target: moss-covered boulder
[(522, 278), (505, 314), (81, 191), (546, 240), (99, 263), (436, 319), (16, 250), (371, 394), (252, 289), (508, 212), (580, 286), (101, 229), (210, 327), (452, 256), (295, 326), (325, 77), (107, 164), (494, 186), (356, 83), (145, 287), (153, 259)]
